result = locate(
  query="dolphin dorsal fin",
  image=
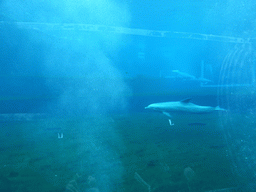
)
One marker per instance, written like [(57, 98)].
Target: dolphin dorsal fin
[(186, 100)]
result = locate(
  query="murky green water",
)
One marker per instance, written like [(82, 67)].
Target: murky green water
[(120, 152)]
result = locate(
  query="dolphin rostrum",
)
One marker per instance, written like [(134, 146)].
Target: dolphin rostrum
[(183, 106)]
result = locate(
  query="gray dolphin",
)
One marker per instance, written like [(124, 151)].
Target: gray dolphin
[(183, 106)]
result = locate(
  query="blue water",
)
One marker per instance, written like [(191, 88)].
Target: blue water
[(76, 77)]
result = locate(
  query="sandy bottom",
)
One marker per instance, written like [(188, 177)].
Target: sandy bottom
[(118, 152)]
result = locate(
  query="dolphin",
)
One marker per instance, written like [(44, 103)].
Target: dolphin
[(183, 106), (184, 75)]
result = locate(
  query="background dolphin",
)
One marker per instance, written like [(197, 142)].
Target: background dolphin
[(184, 106)]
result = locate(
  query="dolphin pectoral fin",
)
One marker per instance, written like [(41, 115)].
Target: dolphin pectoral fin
[(167, 114), (186, 100)]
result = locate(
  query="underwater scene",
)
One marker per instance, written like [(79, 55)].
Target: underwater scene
[(127, 96)]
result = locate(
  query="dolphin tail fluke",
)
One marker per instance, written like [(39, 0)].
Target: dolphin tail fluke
[(219, 109)]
